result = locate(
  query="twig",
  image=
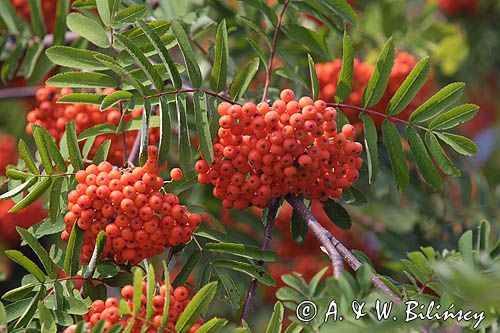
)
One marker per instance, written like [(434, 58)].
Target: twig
[(19, 92), (273, 52), (268, 235), (329, 241)]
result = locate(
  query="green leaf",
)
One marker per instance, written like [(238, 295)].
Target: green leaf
[(219, 69), (26, 263), (256, 272), (313, 41), (100, 242), (454, 117), (29, 238), (35, 193), (262, 6), (354, 197), (410, 87), (18, 189), (276, 321), (184, 143), (342, 9), (438, 102), (73, 250), (298, 228), (313, 77), (214, 325), (37, 21), (465, 247), (82, 98), (9, 16), (111, 100), (122, 72), (202, 127), (257, 29), (193, 69), (396, 155), (344, 85), (48, 324), (20, 292), (243, 79), (144, 140), (42, 150), (137, 299), (61, 13), (460, 144), (166, 305), (104, 10), (164, 144), (483, 236), (294, 328), (82, 80), (99, 129), (88, 29), (241, 250), (160, 48), (339, 216), (439, 156), (30, 310), (196, 307), (186, 270), (129, 15), (55, 199), (74, 58), (422, 158), (75, 155), (141, 60), (25, 155), (150, 292), (102, 153), (15, 174), (53, 150), (378, 82), (371, 146)]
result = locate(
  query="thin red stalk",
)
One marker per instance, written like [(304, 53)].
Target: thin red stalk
[(268, 235), (273, 52), (328, 241)]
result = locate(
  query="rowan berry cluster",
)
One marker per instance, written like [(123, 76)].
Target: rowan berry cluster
[(289, 147), (109, 310), (24, 218), (456, 7), (54, 117), (48, 10), (328, 76), (138, 219), (8, 152)]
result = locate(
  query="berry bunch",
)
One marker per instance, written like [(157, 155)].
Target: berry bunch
[(290, 147), (109, 310), (24, 218), (8, 152), (48, 9), (328, 76), (138, 219), (54, 117)]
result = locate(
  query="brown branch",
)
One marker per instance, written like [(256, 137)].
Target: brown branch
[(329, 242), (18, 92), (268, 235), (273, 52)]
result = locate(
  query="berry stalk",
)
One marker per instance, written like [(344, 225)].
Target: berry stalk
[(268, 235), (333, 244)]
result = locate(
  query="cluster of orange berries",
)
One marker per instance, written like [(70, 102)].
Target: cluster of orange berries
[(138, 219), (290, 147), (109, 310), (48, 9), (24, 218), (54, 117), (328, 76), (456, 7), (8, 152)]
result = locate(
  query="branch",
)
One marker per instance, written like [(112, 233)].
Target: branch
[(331, 243), (268, 235), (19, 92), (273, 52)]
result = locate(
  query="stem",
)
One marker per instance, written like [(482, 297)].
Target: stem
[(124, 139), (329, 241), (18, 92), (273, 52), (383, 115), (268, 235)]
